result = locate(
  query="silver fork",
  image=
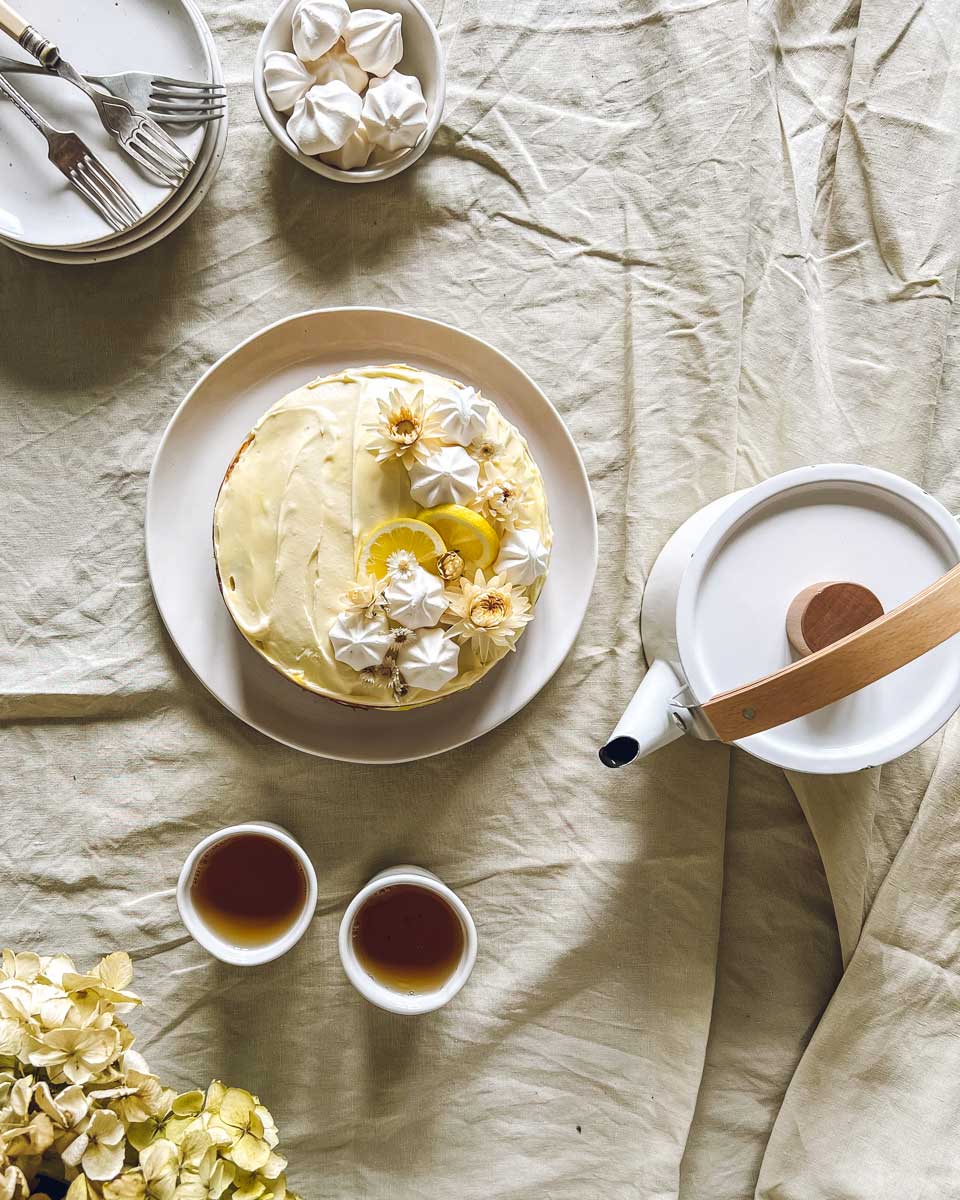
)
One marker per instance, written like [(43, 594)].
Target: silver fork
[(82, 168), (169, 101), (141, 137)]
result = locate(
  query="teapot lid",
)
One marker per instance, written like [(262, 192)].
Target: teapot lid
[(810, 526)]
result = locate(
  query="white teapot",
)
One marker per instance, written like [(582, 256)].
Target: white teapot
[(812, 620)]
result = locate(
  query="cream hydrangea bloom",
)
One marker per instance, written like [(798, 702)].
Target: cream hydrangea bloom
[(78, 1104), (103, 1155), (74, 1054)]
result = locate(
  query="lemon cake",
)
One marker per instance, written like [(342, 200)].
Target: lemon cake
[(382, 537)]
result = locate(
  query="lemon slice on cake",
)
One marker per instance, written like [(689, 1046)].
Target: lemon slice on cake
[(465, 531), (401, 533)]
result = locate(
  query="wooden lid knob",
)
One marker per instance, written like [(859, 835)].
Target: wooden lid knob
[(826, 612)]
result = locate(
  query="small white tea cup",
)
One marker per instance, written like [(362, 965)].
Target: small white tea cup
[(388, 998), (200, 931)]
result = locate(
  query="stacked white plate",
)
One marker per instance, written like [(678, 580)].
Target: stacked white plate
[(40, 214)]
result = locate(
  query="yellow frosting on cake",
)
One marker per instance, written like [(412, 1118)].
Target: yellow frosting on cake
[(296, 504)]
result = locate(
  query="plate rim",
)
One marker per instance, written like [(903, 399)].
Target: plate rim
[(435, 324)]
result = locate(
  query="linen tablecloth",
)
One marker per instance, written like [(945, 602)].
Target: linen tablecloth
[(722, 237)]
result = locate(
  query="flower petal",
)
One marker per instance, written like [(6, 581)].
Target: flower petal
[(237, 1107), (249, 1153), (101, 1162)]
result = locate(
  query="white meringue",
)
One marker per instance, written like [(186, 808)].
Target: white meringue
[(325, 118), (355, 151), (430, 661), (394, 111), (374, 39), (360, 641), (523, 557), (286, 79), (462, 415), (337, 63), (416, 602), (317, 25), (446, 476)]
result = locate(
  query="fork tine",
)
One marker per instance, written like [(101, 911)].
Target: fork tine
[(137, 153), (190, 84), (87, 189), (196, 95), (118, 193), (165, 146), (154, 159), (175, 106), (91, 197), (188, 116)]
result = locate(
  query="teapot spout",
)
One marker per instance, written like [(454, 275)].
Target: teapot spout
[(649, 721)]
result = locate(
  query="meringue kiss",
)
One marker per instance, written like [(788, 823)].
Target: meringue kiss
[(325, 118), (461, 415), (430, 661), (286, 79), (446, 476), (338, 63), (317, 25), (394, 111), (523, 557), (416, 602), (360, 641), (374, 39), (354, 152)]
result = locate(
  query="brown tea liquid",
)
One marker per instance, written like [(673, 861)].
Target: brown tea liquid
[(248, 889), (408, 939)]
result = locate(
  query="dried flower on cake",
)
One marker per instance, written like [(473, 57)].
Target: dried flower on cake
[(488, 614), (402, 564), (485, 449), (450, 566), (405, 430), (500, 499), (362, 596)]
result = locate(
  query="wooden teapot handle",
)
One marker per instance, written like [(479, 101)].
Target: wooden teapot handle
[(886, 644)]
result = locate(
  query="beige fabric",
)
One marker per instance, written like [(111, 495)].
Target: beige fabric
[(723, 239)]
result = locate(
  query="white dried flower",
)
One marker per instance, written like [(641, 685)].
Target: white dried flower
[(500, 499), (488, 614), (402, 564), (405, 429)]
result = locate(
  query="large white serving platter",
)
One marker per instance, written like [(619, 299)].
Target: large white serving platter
[(37, 206), (201, 440)]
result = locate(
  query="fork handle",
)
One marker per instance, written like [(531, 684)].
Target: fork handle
[(11, 22), (26, 107), (20, 29)]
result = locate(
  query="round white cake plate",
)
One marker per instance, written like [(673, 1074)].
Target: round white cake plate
[(181, 205), (38, 208), (201, 441)]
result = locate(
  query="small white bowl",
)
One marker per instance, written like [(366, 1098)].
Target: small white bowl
[(245, 956), (403, 1003), (422, 56)]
